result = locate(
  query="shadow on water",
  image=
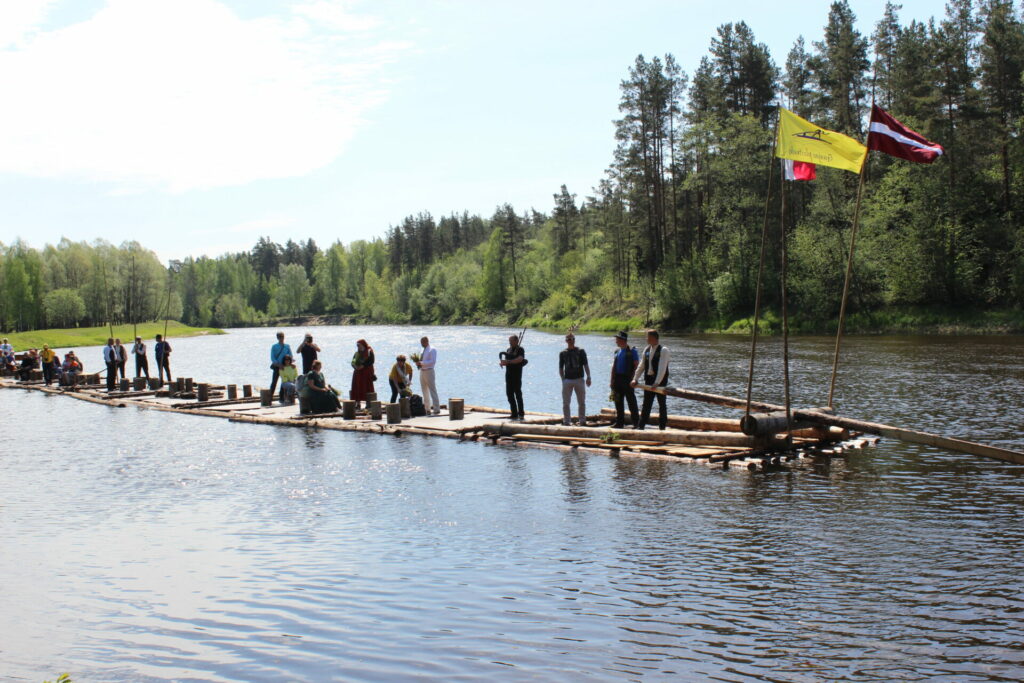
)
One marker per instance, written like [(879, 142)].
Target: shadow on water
[(154, 546)]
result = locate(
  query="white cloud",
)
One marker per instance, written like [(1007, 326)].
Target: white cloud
[(20, 19), (184, 94)]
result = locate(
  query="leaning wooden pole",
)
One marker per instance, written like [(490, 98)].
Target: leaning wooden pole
[(824, 418)]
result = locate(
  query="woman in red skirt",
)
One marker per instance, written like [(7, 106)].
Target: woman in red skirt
[(362, 376)]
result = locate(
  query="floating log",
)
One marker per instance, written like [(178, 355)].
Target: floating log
[(827, 419), (456, 409), (681, 437), (711, 424), (763, 424)]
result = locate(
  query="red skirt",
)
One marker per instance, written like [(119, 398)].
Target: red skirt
[(362, 383)]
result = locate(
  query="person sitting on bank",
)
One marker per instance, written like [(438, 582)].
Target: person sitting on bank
[(289, 376), (141, 362), (572, 365), (309, 352), (322, 396), (400, 378), (653, 372), (47, 356), (362, 372), (513, 359), (623, 369)]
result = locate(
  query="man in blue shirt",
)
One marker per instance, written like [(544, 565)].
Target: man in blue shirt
[(277, 353), (623, 367)]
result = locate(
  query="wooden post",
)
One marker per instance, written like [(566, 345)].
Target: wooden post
[(456, 409), (139, 383), (394, 412), (189, 385), (403, 403), (123, 384), (154, 383), (304, 407), (371, 396), (246, 390), (203, 392), (180, 384), (266, 398), (348, 409), (232, 392), (374, 408)]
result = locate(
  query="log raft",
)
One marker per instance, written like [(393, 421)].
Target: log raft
[(713, 441)]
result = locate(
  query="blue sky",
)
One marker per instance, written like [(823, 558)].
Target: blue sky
[(196, 126)]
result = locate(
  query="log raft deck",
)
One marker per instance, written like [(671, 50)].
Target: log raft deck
[(713, 441)]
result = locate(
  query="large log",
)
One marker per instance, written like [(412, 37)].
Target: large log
[(671, 436), (711, 424), (826, 419)]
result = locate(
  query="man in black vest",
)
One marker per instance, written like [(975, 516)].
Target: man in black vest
[(653, 371), (513, 359)]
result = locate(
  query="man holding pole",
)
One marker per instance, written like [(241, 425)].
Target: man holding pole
[(513, 359), (652, 371), (163, 358), (623, 367)]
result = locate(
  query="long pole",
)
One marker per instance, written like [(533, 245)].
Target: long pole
[(823, 418), (106, 296), (846, 285), (760, 267), (785, 312)]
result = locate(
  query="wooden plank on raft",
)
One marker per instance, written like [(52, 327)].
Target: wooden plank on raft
[(667, 436)]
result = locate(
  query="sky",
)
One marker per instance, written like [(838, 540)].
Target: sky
[(198, 126)]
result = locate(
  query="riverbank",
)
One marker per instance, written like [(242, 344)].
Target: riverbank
[(894, 320), (97, 336)]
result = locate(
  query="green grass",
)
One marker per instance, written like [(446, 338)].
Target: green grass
[(932, 320), (605, 324), (97, 336)]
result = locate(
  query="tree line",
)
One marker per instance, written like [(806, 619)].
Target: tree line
[(671, 232)]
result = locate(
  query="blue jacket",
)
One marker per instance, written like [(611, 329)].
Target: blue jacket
[(278, 351)]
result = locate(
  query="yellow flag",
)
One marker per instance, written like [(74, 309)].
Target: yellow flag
[(801, 140)]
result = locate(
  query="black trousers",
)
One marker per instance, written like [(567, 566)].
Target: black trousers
[(141, 366), (396, 390), (625, 394), (120, 366), (649, 397), (48, 373), (111, 376), (163, 363), (514, 394), (273, 381)]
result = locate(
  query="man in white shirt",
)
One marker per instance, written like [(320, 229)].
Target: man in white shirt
[(652, 370), (428, 359), (112, 358)]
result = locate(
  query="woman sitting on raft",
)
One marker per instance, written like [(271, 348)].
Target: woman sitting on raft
[(362, 375), (288, 374), (322, 397)]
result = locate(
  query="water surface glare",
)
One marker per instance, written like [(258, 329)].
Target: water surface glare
[(143, 546)]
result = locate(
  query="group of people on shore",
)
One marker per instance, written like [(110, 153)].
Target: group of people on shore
[(322, 397)]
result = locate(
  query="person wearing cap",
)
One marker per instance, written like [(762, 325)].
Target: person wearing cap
[(141, 362), (652, 371), (428, 384), (623, 369), (572, 365), (400, 377), (46, 356)]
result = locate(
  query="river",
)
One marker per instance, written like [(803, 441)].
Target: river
[(145, 546)]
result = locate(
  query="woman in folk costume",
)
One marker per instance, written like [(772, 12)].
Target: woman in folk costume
[(362, 375)]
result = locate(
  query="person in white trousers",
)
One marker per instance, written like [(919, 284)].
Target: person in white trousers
[(431, 403)]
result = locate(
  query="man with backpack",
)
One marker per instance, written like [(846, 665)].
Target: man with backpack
[(623, 367), (652, 371), (572, 365)]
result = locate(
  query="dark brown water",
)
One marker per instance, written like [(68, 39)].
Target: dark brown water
[(143, 546)]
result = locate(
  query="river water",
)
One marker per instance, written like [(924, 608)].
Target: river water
[(146, 546)]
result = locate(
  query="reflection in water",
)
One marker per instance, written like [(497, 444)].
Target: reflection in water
[(156, 546)]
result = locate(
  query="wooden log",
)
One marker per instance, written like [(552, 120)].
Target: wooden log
[(406, 408), (711, 424), (394, 413), (203, 392), (673, 436), (763, 424), (305, 406), (154, 383), (246, 390), (138, 383), (266, 398), (232, 392), (456, 409), (189, 385), (375, 411), (370, 397), (348, 409), (123, 384), (824, 418)]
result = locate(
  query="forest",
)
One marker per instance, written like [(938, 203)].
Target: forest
[(670, 235)]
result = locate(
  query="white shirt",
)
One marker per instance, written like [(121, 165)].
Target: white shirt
[(659, 372), (139, 349), (110, 354), (428, 358)]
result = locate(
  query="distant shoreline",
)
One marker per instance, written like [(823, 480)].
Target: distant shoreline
[(64, 338)]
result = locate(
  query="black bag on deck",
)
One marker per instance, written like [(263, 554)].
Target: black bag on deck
[(416, 406)]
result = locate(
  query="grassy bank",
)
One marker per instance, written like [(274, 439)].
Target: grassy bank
[(892, 320), (97, 336)]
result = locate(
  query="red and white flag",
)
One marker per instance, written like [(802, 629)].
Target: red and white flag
[(888, 135), (798, 170)]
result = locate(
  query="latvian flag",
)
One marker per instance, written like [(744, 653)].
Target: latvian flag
[(888, 135), (798, 170)]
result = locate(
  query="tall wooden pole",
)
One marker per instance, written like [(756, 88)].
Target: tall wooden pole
[(846, 284), (785, 311)]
